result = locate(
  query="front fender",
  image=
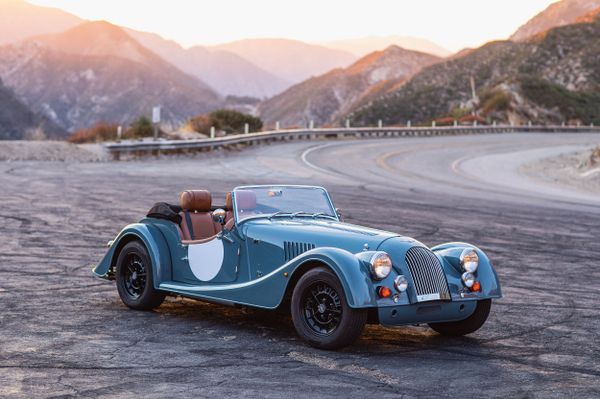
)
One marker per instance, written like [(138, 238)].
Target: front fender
[(486, 275), (355, 280), (155, 243)]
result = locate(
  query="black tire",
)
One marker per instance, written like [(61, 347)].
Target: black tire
[(468, 325), (321, 314), (134, 278)]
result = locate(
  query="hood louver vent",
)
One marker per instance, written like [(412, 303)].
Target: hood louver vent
[(292, 249)]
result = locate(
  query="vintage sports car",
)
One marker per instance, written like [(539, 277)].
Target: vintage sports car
[(285, 247)]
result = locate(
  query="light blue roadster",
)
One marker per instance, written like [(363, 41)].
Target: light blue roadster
[(285, 247)]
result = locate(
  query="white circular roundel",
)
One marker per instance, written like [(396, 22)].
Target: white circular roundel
[(206, 259)]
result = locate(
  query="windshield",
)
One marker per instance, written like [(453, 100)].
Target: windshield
[(282, 201)]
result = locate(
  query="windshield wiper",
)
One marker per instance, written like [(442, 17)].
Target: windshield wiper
[(279, 213), (323, 214)]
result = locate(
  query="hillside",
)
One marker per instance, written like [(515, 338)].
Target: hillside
[(291, 60), (18, 122), (366, 45), (226, 72), (327, 97), (562, 13), (551, 79), (96, 72), (20, 20)]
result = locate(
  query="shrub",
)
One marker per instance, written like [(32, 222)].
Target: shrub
[(233, 121), (226, 120), (495, 100), (141, 127), (203, 123), (99, 132)]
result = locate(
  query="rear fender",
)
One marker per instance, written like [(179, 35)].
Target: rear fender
[(155, 243)]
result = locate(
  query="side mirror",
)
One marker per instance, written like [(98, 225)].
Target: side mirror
[(338, 212), (219, 215)]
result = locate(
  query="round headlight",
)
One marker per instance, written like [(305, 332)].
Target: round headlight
[(468, 279), (401, 283), (381, 265), (469, 261)]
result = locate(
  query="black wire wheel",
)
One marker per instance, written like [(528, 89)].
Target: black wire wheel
[(134, 278), (321, 314), (322, 308)]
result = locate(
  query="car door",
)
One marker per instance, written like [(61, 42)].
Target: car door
[(215, 260)]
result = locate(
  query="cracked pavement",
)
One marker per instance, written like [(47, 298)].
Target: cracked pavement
[(65, 334)]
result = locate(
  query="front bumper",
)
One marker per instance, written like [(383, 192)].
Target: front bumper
[(425, 312)]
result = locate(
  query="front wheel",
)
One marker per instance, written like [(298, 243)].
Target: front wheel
[(468, 325), (134, 278), (321, 314)]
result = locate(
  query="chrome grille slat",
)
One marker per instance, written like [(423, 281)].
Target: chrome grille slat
[(427, 274)]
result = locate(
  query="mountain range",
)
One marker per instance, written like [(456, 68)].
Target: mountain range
[(552, 77), (96, 72), (326, 98), (360, 47), (17, 121), (561, 13)]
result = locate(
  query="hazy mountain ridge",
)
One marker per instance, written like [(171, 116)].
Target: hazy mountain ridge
[(562, 13), (366, 45), (96, 72), (20, 20), (325, 98), (291, 60), (226, 72), (551, 79), (18, 122)]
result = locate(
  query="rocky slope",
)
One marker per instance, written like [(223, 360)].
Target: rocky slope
[(19, 122), (562, 13), (553, 78), (291, 60), (326, 98), (96, 72)]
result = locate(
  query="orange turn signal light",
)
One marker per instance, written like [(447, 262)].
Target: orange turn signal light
[(476, 286), (384, 292)]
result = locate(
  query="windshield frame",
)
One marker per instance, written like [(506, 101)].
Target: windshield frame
[(333, 216)]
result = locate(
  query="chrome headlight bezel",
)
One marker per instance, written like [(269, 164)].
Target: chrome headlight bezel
[(469, 260), (401, 283), (380, 264), (468, 279)]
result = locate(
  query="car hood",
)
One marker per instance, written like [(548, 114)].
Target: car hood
[(319, 232)]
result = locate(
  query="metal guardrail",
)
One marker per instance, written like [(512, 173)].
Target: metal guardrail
[(208, 144)]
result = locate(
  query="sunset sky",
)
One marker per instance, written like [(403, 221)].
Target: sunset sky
[(453, 24)]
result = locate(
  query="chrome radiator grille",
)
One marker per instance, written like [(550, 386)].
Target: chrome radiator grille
[(428, 275)]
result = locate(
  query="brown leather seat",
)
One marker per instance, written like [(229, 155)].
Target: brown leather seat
[(197, 205)]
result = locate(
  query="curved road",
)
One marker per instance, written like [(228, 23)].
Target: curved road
[(63, 333)]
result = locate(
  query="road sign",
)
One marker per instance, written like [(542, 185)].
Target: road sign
[(156, 115)]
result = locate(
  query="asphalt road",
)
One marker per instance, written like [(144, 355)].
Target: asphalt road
[(64, 333)]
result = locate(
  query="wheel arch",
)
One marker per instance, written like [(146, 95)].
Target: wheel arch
[(155, 244), (357, 285)]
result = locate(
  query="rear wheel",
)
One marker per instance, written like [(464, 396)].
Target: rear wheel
[(134, 278), (321, 314), (468, 325)]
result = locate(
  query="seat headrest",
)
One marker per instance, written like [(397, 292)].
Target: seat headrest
[(228, 202), (245, 200), (195, 200)]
